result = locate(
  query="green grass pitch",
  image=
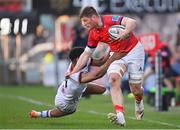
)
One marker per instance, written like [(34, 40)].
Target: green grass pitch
[(17, 101)]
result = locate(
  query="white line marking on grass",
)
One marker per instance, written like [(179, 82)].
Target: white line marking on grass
[(22, 98), (39, 103), (96, 113)]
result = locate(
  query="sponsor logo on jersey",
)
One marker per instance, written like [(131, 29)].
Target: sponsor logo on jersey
[(115, 18)]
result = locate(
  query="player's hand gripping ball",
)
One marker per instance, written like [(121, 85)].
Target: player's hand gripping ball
[(115, 31)]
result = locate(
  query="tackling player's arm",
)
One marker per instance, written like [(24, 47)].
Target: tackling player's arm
[(81, 62), (91, 45), (90, 76), (101, 61)]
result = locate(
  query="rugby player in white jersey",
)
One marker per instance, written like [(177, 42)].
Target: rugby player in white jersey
[(71, 89)]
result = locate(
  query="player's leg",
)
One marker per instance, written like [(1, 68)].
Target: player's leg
[(115, 72), (62, 108), (138, 92), (135, 83), (135, 70), (115, 90), (93, 88), (55, 112)]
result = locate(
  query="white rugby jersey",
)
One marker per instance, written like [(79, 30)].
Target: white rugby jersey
[(70, 90)]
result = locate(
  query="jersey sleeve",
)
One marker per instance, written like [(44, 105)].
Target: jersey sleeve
[(115, 19), (92, 42), (69, 67), (76, 76), (89, 50)]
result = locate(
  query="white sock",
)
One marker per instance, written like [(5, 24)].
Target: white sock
[(45, 113)]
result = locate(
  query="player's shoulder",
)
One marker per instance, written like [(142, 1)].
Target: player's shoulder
[(106, 17), (93, 33), (112, 18)]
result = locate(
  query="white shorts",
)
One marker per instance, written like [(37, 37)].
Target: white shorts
[(67, 107), (134, 62)]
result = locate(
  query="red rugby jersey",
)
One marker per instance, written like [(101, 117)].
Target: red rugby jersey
[(97, 35)]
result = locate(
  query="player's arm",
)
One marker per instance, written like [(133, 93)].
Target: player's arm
[(129, 24), (90, 76), (101, 61), (81, 61)]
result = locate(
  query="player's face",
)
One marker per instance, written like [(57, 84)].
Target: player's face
[(88, 23)]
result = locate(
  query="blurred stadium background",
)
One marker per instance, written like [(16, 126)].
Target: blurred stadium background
[(35, 38)]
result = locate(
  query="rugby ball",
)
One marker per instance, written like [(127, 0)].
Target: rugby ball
[(114, 31)]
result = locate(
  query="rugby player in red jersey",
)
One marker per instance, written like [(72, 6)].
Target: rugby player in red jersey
[(132, 60)]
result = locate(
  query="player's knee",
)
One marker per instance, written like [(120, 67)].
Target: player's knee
[(113, 78), (137, 93), (136, 89)]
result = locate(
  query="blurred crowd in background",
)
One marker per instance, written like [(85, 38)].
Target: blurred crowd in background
[(34, 31)]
